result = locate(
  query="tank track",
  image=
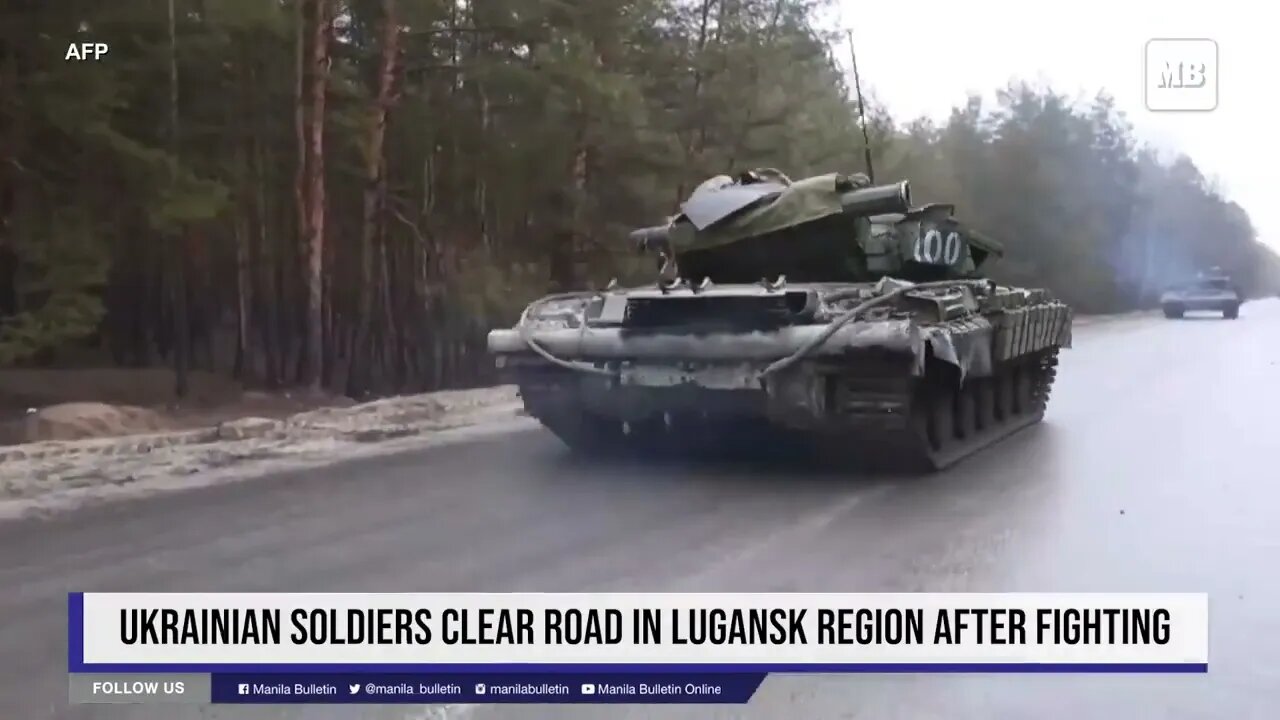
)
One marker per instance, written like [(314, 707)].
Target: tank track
[(883, 422), (942, 421)]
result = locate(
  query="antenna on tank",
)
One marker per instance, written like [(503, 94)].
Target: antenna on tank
[(862, 112)]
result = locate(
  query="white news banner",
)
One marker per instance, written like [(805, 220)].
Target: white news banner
[(688, 629)]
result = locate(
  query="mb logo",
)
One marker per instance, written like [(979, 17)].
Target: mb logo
[(86, 51), (1181, 74)]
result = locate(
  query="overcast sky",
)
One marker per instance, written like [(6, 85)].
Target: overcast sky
[(923, 57)]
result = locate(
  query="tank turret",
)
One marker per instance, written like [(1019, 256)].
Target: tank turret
[(831, 227)]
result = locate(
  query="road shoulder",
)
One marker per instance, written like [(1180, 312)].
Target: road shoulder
[(48, 477)]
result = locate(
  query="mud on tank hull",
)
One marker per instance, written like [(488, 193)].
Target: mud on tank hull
[(900, 391)]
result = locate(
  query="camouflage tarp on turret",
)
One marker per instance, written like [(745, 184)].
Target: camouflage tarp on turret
[(779, 204), (834, 225)]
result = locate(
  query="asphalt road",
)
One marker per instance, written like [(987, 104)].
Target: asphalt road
[(1155, 470)]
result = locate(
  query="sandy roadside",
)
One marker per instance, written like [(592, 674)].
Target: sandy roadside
[(44, 477)]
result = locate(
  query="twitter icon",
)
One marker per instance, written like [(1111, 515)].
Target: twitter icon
[(355, 689)]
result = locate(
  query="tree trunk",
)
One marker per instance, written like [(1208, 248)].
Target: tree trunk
[(265, 260), (695, 137), (283, 307), (178, 267), (313, 355), (244, 288), (243, 227), (374, 197)]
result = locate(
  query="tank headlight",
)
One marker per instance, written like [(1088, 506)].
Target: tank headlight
[(567, 313)]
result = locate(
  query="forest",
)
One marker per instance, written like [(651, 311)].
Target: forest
[(348, 194)]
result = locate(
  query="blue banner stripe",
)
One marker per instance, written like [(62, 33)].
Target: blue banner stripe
[(433, 688), (656, 668), (75, 629)]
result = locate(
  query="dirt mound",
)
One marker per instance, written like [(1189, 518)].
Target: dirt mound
[(26, 388), (76, 403), (79, 420), (92, 451)]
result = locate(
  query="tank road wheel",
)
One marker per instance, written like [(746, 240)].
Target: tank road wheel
[(966, 411), (1231, 312), (984, 403), (949, 424), (1024, 397), (1004, 392), (942, 418)]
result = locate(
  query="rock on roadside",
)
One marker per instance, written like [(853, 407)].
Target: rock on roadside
[(250, 427)]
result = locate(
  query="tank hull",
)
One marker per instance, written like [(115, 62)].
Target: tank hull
[(883, 420), (909, 391), (1175, 305)]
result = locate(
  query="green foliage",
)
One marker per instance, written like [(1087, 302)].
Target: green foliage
[(58, 284), (1080, 207), (527, 137), (186, 200)]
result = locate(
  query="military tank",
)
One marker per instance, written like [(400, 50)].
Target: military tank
[(1211, 290), (825, 313)]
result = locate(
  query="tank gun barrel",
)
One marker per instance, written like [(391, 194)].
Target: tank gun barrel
[(877, 199), (650, 238)]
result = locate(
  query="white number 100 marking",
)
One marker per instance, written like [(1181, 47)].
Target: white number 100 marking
[(932, 248)]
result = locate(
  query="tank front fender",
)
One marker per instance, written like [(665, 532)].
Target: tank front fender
[(605, 344), (965, 344)]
